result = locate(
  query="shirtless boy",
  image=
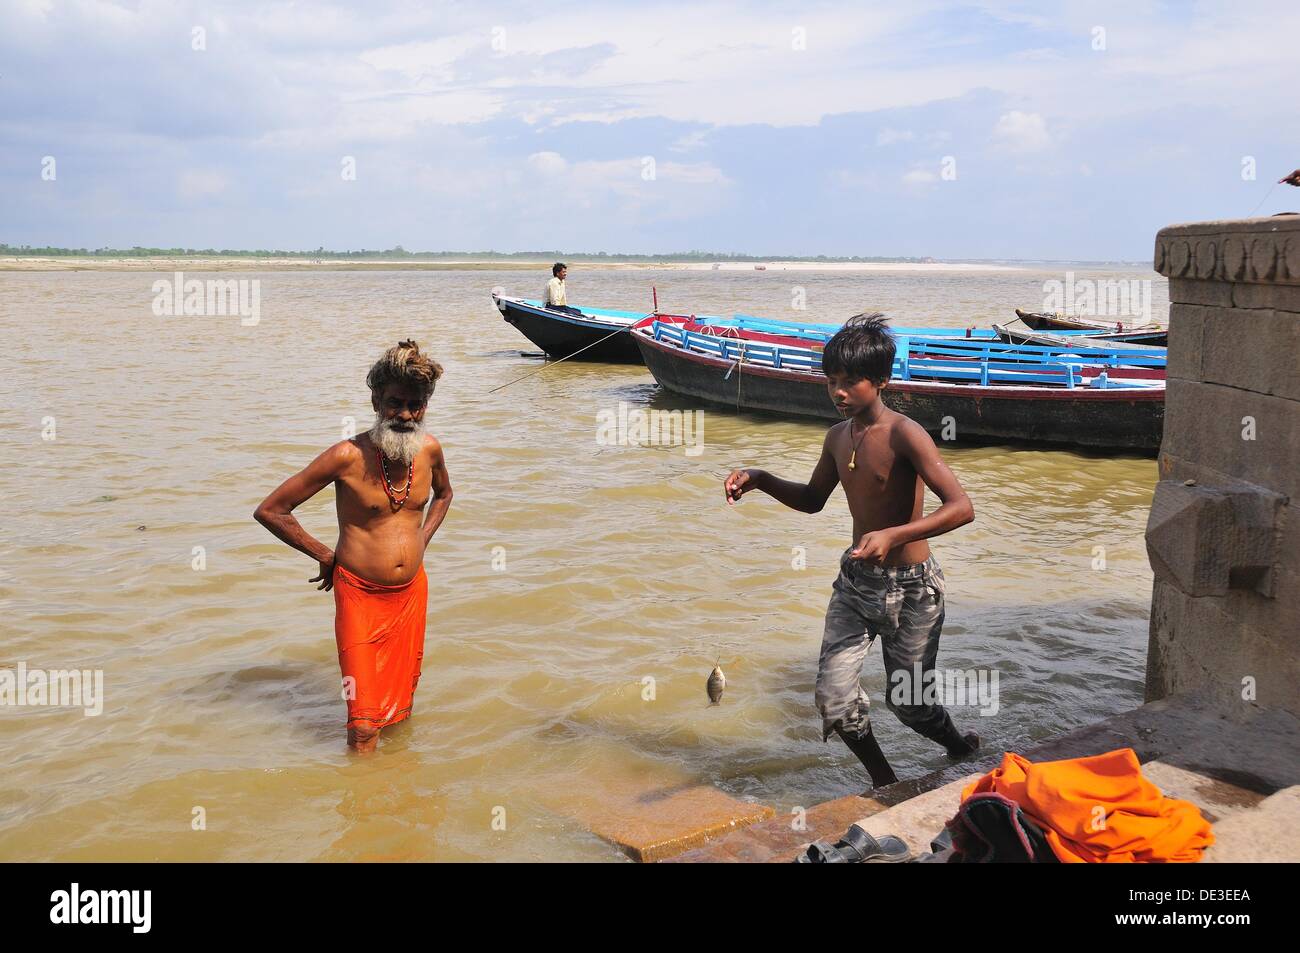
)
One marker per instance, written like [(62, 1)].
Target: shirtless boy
[(383, 479), (889, 584)]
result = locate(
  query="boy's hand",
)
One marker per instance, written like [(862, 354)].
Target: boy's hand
[(739, 483), (873, 547)]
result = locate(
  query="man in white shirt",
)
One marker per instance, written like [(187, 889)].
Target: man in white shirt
[(555, 298)]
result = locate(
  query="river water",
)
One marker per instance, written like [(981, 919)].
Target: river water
[(580, 591)]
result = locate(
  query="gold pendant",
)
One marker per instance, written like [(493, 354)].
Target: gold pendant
[(853, 457)]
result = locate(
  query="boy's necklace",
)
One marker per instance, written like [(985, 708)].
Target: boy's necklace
[(853, 456)]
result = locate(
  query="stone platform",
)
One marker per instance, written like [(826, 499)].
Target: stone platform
[(1241, 767)]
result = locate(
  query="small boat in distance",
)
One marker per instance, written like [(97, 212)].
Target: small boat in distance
[(1065, 339), (1113, 331)]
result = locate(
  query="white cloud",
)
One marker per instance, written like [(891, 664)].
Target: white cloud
[(429, 61), (548, 163), (707, 62), (692, 173), (626, 176), (1022, 132), (398, 114), (690, 142), (439, 119)]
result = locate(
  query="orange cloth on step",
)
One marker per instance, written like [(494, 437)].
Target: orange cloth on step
[(1140, 824), (380, 635)]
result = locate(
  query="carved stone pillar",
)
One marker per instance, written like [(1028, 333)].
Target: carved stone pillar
[(1224, 535)]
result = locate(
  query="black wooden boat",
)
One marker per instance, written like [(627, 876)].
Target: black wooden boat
[(594, 334)]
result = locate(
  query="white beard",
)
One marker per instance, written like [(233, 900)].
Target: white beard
[(394, 444)]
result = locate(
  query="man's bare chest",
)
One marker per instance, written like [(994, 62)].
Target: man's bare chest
[(363, 496)]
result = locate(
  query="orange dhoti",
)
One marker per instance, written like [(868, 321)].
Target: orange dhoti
[(380, 636)]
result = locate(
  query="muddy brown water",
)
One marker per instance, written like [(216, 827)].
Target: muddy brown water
[(580, 591)]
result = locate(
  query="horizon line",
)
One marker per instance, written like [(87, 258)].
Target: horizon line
[(540, 255)]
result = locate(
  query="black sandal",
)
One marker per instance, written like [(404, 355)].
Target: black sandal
[(857, 847)]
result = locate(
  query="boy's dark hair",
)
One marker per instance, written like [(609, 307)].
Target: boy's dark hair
[(863, 348), (555, 268)]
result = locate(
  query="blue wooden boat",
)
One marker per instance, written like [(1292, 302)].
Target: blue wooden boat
[(603, 334), (981, 390), (816, 331), (1121, 360)]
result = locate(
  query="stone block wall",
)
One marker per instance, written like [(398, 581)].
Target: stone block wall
[(1224, 534)]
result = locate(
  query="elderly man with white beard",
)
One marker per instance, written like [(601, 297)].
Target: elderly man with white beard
[(383, 480)]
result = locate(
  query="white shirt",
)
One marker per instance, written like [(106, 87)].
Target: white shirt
[(555, 292)]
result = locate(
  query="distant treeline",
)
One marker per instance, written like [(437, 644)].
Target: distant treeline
[(400, 253)]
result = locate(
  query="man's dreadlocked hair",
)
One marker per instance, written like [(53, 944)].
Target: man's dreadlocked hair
[(862, 349), (406, 366)]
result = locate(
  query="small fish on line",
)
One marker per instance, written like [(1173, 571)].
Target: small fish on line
[(716, 683)]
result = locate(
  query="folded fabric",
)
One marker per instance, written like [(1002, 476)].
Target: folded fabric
[(1100, 809)]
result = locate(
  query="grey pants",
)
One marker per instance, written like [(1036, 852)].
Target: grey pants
[(904, 606)]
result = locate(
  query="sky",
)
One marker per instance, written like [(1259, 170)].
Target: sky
[(989, 130)]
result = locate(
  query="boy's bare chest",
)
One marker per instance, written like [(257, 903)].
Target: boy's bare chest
[(880, 484), (864, 461), (869, 476)]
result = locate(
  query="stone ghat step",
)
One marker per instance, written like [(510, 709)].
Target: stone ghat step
[(1264, 833), (1240, 766), (783, 836), (653, 821)]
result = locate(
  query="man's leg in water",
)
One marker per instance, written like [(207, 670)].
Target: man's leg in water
[(840, 698), (363, 737)]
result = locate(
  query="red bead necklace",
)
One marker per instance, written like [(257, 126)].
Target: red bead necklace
[(396, 503)]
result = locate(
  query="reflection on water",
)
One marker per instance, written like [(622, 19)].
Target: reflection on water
[(620, 563)]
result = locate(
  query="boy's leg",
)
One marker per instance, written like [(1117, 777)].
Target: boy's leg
[(839, 697), (867, 750), (911, 651)]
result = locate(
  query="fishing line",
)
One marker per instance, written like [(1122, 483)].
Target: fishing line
[(567, 356), (1263, 200)]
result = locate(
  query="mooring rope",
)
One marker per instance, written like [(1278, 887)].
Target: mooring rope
[(567, 356)]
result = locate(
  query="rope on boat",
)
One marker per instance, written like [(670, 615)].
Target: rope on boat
[(737, 368), (740, 372), (567, 356)]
